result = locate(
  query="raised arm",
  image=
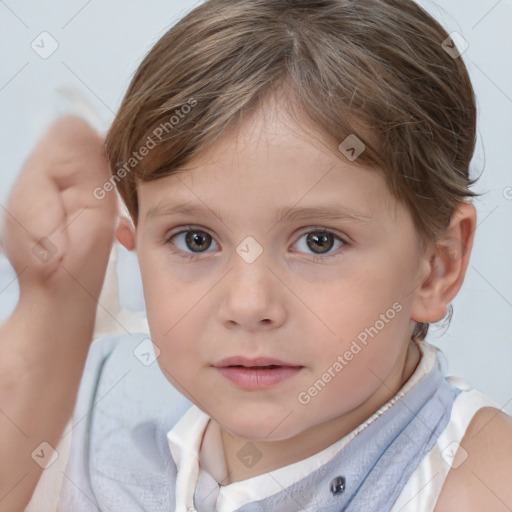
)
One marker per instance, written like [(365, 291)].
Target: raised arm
[(58, 237)]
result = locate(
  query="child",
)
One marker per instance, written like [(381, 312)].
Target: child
[(317, 153)]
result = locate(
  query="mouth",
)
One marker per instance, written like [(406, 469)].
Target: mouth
[(269, 367), (256, 373), (253, 362)]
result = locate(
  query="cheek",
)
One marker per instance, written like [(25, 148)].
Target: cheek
[(365, 321), (357, 303), (173, 309), (163, 306)]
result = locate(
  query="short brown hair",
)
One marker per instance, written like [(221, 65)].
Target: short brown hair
[(376, 69)]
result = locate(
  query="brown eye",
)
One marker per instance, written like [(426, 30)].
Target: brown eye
[(191, 241), (319, 242), (197, 240)]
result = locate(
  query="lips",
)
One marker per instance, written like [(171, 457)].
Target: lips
[(256, 373), (262, 362)]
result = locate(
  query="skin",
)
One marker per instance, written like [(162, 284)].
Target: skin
[(285, 304), (482, 481), (44, 344)]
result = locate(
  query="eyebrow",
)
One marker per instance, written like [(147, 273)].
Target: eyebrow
[(285, 213)]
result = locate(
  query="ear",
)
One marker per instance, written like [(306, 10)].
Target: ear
[(125, 233), (446, 267)]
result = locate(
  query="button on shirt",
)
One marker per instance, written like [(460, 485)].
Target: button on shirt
[(196, 447)]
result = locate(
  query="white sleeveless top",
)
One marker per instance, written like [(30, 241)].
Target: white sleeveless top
[(423, 488)]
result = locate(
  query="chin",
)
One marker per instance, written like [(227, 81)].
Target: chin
[(254, 428)]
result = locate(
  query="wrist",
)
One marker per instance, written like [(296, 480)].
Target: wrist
[(53, 321)]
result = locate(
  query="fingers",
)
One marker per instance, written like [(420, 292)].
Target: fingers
[(30, 232), (53, 217)]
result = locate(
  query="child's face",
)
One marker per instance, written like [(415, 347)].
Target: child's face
[(342, 320)]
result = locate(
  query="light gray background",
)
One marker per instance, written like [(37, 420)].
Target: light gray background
[(102, 41)]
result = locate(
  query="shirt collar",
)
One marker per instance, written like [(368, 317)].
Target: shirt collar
[(184, 442)]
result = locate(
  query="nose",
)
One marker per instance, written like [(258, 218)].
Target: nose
[(251, 296)]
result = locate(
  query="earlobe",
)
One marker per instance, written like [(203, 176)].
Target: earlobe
[(446, 266), (125, 233)]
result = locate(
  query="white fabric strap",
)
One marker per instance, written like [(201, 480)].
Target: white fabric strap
[(422, 490)]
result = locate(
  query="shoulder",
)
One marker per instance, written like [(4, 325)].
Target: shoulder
[(481, 477)]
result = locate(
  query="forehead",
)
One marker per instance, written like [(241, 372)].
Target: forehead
[(266, 164)]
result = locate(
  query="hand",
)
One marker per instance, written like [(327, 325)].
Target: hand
[(57, 234)]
